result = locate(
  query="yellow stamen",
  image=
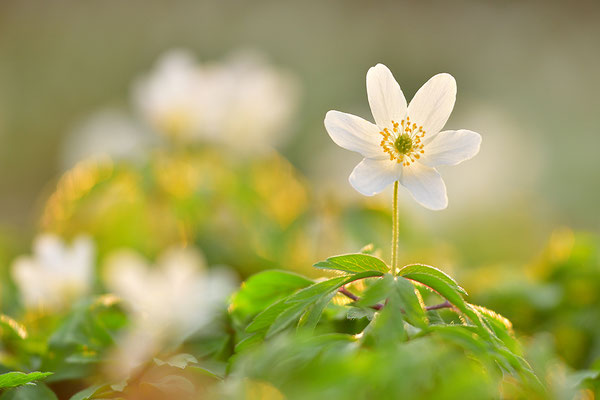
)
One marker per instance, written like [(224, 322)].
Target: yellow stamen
[(403, 144)]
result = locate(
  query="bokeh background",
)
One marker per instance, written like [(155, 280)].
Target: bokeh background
[(521, 229)]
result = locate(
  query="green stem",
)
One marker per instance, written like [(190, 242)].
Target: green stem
[(395, 228)]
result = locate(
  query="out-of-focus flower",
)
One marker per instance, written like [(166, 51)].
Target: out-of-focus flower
[(242, 102), (109, 133), (405, 143), (171, 98), (260, 104), (56, 273), (168, 302)]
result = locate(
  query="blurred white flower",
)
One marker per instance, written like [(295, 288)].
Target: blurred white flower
[(109, 133), (168, 302), (405, 143), (56, 273), (261, 103), (242, 102), (171, 98)]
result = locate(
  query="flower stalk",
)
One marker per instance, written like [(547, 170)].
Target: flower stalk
[(395, 229)]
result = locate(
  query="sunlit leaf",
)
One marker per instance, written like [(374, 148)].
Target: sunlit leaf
[(426, 269), (353, 263)]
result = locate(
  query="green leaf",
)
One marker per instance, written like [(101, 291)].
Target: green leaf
[(284, 319), (311, 318), (265, 288), (387, 328), (360, 312), (415, 314), (463, 337), (14, 379), (281, 314), (263, 320), (30, 392), (448, 290), (500, 326), (379, 290), (426, 269), (354, 263), (300, 301)]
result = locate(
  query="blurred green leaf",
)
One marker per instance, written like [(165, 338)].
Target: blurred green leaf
[(14, 379), (311, 317), (9, 326), (30, 392), (263, 289)]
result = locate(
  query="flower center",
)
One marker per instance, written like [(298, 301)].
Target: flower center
[(403, 142)]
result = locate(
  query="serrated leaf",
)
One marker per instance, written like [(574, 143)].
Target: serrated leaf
[(426, 269), (500, 326), (263, 320), (379, 290), (354, 263), (279, 315), (284, 319), (360, 312), (451, 293), (316, 290), (462, 336), (387, 328), (311, 318), (415, 314), (14, 379)]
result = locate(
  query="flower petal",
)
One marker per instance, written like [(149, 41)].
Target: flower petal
[(372, 176), (354, 133), (425, 185), (385, 96), (451, 148), (433, 103)]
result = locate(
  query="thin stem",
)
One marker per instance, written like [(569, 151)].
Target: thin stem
[(354, 297), (395, 228), (445, 304), (379, 306)]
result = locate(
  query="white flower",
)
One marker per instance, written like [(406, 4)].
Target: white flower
[(56, 274), (172, 97), (261, 102), (242, 102), (405, 143), (108, 133), (168, 302)]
